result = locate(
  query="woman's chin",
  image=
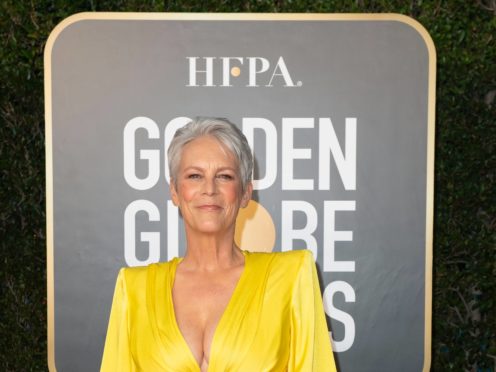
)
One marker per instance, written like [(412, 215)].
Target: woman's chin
[(210, 228)]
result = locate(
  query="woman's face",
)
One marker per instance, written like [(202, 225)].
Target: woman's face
[(208, 189)]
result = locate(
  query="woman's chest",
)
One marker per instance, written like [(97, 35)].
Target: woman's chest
[(252, 331), (199, 303), (256, 340)]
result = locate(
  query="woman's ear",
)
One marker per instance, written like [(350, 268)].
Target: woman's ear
[(173, 192), (245, 199)]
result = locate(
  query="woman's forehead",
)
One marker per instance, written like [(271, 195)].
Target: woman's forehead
[(207, 150)]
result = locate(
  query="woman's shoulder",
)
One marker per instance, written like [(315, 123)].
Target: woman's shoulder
[(137, 273), (283, 260), (297, 254)]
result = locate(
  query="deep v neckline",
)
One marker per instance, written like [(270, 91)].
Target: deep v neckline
[(223, 319)]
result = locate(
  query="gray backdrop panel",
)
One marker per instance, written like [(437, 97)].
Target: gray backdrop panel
[(106, 72)]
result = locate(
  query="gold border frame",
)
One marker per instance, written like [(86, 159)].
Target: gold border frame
[(431, 102)]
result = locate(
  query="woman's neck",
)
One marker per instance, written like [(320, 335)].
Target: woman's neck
[(211, 252)]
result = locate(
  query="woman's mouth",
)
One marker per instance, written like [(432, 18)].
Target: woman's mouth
[(209, 207)]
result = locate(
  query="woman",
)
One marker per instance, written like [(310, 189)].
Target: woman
[(219, 308)]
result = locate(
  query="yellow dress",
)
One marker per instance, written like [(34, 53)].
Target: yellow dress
[(274, 320)]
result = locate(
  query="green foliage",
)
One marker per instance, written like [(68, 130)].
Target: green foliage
[(465, 287), (465, 215)]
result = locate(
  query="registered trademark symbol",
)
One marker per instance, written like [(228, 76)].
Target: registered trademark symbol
[(299, 83)]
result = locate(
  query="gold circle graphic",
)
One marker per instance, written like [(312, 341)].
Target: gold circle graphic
[(255, 230), (235, 71)]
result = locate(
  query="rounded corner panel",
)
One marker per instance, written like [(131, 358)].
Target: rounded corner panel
[(420, 29), (60, 27)]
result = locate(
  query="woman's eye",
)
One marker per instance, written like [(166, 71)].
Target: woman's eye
[(193, 176), (225, 176)]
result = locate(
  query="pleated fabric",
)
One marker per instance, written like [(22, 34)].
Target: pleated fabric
[(274, 320)]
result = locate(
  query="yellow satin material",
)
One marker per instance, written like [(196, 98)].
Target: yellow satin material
[(274, 321)]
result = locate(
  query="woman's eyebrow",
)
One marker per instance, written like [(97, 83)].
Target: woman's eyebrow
[(193, 167), (227, 168), (220, 169)]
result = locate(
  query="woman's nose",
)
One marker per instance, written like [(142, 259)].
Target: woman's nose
[(209, 186)]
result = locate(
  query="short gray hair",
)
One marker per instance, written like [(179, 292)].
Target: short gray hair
[(223, 131)]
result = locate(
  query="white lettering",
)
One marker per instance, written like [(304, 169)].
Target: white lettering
[(289, 233), (328, 148), (172, 230), (226, 69), (153, 156), (346, 164), (253, 70), (152, 238), (331, 236), (349, 324), (209, 71), (170, 130), (283, 71), (289, 154), (249, 126)]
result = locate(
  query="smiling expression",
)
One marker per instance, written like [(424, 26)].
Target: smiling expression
[(208, 189)]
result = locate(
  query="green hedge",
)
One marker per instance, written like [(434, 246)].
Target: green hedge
[(464, 32)]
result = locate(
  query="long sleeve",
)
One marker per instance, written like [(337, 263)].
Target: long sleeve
[(310, 343), (117, 354)]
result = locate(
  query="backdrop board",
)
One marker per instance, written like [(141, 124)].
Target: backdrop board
[(339, 111)]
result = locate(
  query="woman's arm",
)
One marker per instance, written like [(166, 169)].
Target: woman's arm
[(117, 354), (310, 343)]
